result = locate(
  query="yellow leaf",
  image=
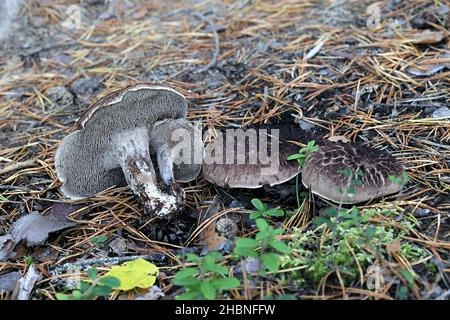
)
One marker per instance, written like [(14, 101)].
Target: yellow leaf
[(138, 273)]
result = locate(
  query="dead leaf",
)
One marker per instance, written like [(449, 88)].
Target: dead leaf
[(8, 281), (211, 238), (252, 265), (430, 66), (154, 293), (7, 245), (45, 253), (118, 246), (424, 37), (63, 209), (442, 112), (425, 70), (394, 247), (34, 228)]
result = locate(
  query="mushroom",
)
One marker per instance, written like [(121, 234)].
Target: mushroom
[(250, 174), (111, 147), (324, 172), (169, 139)]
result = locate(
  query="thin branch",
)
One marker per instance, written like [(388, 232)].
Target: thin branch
[(216, 42)]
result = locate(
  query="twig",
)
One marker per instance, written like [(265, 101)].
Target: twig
[(216, 42), (49, 48), (84, 264), (26, 284), (431, 143), (2, 187), (18, 166)]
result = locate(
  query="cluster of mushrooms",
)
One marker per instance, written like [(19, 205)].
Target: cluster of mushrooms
[(122, 137)]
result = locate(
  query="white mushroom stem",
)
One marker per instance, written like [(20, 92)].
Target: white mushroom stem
[(165, 163), (132, 148)]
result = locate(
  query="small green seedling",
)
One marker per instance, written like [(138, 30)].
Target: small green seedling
[(264, 211), (264, 246), (304, 153), (402, 180), (98, 287), (100, 241), (29, 260), (326, 218), (348, 217), (207, 280)]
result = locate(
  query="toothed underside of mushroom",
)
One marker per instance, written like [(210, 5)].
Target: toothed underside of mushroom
[(84, 161), (322, 173), (83, 173)]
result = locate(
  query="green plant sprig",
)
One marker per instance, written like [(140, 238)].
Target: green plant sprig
[(304, 153), (205, 281), (264, 247), (99, 287)]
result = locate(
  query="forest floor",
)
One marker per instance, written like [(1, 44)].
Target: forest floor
[(377, 74)]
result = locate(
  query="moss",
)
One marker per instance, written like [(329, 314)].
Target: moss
[(319, 254)]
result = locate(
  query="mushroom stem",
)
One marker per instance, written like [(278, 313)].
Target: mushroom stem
[(134, 158), (165, 163), (140, 176)]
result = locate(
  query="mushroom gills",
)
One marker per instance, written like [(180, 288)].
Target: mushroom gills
[(178, 147), (111, 147)]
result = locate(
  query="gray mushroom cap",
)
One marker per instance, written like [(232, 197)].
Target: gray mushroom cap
[(250, 175), (323, 172), (86, 160)]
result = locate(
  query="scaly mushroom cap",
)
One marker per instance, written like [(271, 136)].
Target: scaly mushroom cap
[(181, 137), (251, 175), (84, 160), (323, 174)]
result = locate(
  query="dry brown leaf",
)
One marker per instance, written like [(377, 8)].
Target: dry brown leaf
[(34, 228), (394, 247), (211, 238), (118, 246)]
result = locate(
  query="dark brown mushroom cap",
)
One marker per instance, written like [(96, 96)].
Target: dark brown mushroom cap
[(251, 175), (84, 161), (323, 174)]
